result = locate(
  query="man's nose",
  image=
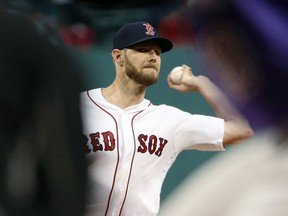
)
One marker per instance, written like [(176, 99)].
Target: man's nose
[(153, 56), (153, 59)]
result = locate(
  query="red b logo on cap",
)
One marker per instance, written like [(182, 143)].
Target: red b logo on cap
[(149, 28)]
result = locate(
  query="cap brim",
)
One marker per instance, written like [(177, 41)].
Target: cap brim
[(164, 43)]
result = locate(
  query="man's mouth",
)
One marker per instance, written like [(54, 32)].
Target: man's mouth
[(151, 66)]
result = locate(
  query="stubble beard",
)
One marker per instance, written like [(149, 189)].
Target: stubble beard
[(146, 79)]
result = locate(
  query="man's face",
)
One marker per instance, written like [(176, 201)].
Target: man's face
[(142, 62)]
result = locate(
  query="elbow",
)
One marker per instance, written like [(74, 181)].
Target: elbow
[(249, 133), (239, 135), (246, 133)]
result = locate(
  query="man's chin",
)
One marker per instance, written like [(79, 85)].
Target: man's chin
[(150, 82), (147, 82)]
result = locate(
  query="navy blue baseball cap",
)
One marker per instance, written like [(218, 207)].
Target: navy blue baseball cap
[(137, 32)]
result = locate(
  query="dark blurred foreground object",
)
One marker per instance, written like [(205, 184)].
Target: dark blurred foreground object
[(42, 160)]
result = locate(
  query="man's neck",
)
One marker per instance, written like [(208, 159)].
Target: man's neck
[(124, 96)]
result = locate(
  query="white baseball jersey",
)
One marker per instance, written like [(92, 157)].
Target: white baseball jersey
[(130, 151)]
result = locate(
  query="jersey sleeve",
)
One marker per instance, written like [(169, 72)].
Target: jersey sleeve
[(199, 132)]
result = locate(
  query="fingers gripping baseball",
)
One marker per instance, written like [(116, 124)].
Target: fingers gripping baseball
[(182, 79)]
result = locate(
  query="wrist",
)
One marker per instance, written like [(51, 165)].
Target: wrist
[(202, 82)]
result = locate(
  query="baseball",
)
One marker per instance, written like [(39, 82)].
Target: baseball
[(176, 75)]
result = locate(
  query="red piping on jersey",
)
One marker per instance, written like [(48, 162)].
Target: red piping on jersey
[(131, 165), (116, 168)]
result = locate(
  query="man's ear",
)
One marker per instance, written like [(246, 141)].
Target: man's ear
[(118, 56)]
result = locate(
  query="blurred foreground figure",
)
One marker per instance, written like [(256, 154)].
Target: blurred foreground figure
[(247, 51), (42, 165)]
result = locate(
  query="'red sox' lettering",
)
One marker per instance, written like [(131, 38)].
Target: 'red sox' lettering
[(106, 142), (152, 144)]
